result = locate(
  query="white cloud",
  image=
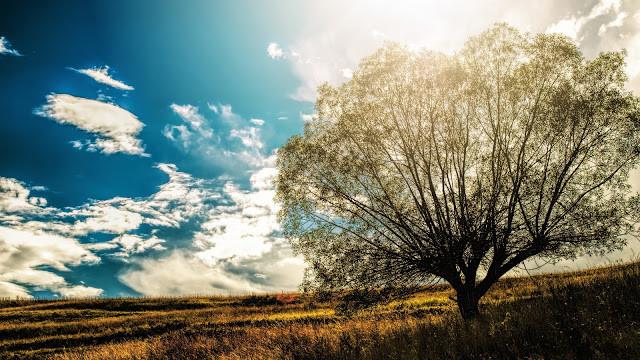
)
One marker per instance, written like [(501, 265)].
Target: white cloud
[(275, 51), (184, 273), (103, 217), (129, 244), (235, 240), (244, 229), (198, 138), (23, 252), (77, 144), (15, 197), (226, 111), (570, 27), (27, 242), (115, 128), (181, 198), (249, 136), (307, 117), (23, 248), (615, 23), (263, 178), (101, 75), (178, 134), (213, 108), (331, 41), (181, 273), (191, 115), (79, 291), (237, 249), (347, 73), (6, 49), (13, 291), (574, 25), (258, 122), (235, 245)]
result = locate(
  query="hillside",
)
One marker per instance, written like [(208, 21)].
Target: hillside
[(586, 314)]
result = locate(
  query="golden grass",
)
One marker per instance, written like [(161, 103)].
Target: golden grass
[(593, 313)]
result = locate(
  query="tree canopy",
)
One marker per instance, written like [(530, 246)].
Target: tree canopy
[(429, 166)]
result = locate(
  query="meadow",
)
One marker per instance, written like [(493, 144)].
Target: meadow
[(579, 315)]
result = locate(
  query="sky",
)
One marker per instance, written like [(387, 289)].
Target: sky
[(138, 138)]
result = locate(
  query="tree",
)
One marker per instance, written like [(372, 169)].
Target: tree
[(427, 166)]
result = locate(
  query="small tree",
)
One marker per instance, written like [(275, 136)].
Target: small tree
[(427, 166)]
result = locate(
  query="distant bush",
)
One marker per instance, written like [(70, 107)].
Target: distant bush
[(270, 300), (286, 299)]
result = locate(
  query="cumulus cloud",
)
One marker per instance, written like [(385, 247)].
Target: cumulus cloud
[(235, 144), (237, 249), (13, 291), (6, 49), (347, 73), (101, 75), (78, 291), (235, 245), (608, 25), (129, 244), (33, 236), (226, 112), (184, 273), (232, 241), (307, 117), (573, 25), (180, 199), (103, 217), (615, 23), (332, 42), (249, 136), (133, 244), (275, 51), (258, 122), (15, 198), (115, 128), (244, 229), (24, 252), (46, 280), (213, 107), (181, 273), (190, 114)]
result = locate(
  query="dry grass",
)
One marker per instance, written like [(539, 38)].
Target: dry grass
[(587, 314)]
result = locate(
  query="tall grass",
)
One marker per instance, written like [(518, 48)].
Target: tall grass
[(581, 315)]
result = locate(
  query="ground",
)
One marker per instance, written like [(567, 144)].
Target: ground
[(587, 314)]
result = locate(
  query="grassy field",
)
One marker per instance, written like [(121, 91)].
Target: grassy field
[(581, 315)]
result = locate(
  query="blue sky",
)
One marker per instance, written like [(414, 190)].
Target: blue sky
[(137, 138)]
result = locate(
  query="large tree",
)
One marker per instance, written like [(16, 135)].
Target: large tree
[(428, 166)]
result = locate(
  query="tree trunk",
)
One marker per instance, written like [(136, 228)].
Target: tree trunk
[(468, 304)]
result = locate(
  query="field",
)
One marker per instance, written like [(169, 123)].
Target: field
[(587, 314)]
